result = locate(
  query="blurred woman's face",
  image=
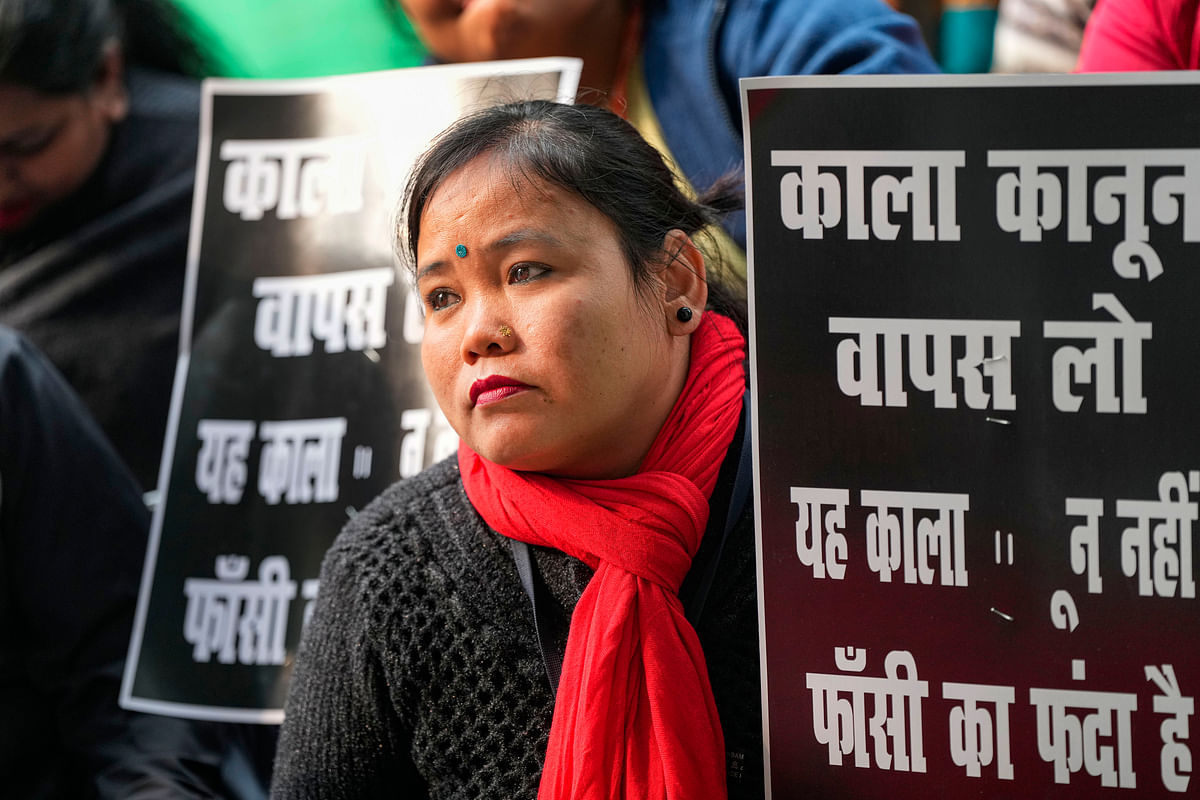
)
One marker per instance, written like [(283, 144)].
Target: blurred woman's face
[(542, 353), (487, 30), (50, 144)]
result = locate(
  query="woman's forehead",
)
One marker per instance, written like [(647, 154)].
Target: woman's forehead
[(489, 193), (489, 176)]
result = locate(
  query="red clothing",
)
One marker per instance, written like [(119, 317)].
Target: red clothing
[(634, 715), (1128, 35)]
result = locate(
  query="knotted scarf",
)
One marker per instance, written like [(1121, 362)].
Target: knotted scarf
[(634, 716)]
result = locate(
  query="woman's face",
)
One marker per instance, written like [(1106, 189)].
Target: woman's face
[(50, 144), (540, 350)]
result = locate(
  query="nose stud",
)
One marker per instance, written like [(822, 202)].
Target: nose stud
[(505, 331), (460, 251)]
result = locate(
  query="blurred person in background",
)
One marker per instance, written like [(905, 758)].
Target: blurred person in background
[(72, 540), (966, 30), (1039, 35), (99, 125), (98, 137), (671, 67), (1130, 35)]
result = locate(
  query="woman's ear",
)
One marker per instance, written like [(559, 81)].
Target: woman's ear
[(108, 89), (684, 280)]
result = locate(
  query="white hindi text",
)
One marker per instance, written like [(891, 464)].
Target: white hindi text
[(345, 310), (1031, 197), (840, 719), (987, 356), (814, 199), (236, 619), (293, 177), (904, 531), (1156, 549), (299, 460), (1077, 730)]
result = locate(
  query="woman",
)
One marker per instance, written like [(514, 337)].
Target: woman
[(98, 138), (572, 340), (672, 66), (99, 123)]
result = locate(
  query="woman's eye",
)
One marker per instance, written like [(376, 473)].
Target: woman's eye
[(522, 273), (440, 299)]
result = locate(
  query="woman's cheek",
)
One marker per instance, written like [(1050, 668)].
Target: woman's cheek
[(436, 360)]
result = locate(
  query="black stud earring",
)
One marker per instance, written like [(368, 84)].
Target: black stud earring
[(684, 314)]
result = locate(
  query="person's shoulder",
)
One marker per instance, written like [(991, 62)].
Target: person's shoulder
[(415, 508), (49, 440), (152, 156), (781, 37), (25, 373), (12, 345), (163, 96), (389, 548), (764, 18), (22, 369), (1131, 35), (416, 495)]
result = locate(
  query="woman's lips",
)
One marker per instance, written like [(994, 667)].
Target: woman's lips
[(494, 388)]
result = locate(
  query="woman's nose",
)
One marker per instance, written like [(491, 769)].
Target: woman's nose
[(489, 332)]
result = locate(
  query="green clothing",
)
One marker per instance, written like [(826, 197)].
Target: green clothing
[(305, 38)]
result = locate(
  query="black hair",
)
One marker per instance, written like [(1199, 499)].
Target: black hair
[(57, 46), (600, 157)]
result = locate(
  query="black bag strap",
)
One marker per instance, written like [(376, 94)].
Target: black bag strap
[(737, 472), (551, 628), (731, 495)]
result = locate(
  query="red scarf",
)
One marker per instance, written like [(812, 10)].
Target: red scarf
[(634, 716)]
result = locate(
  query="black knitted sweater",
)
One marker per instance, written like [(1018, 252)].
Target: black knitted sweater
[(420, 675)]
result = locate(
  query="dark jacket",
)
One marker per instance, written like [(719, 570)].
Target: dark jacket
[(72, 542)]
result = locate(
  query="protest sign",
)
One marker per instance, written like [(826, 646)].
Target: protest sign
[(299, 394), (974, 362)]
